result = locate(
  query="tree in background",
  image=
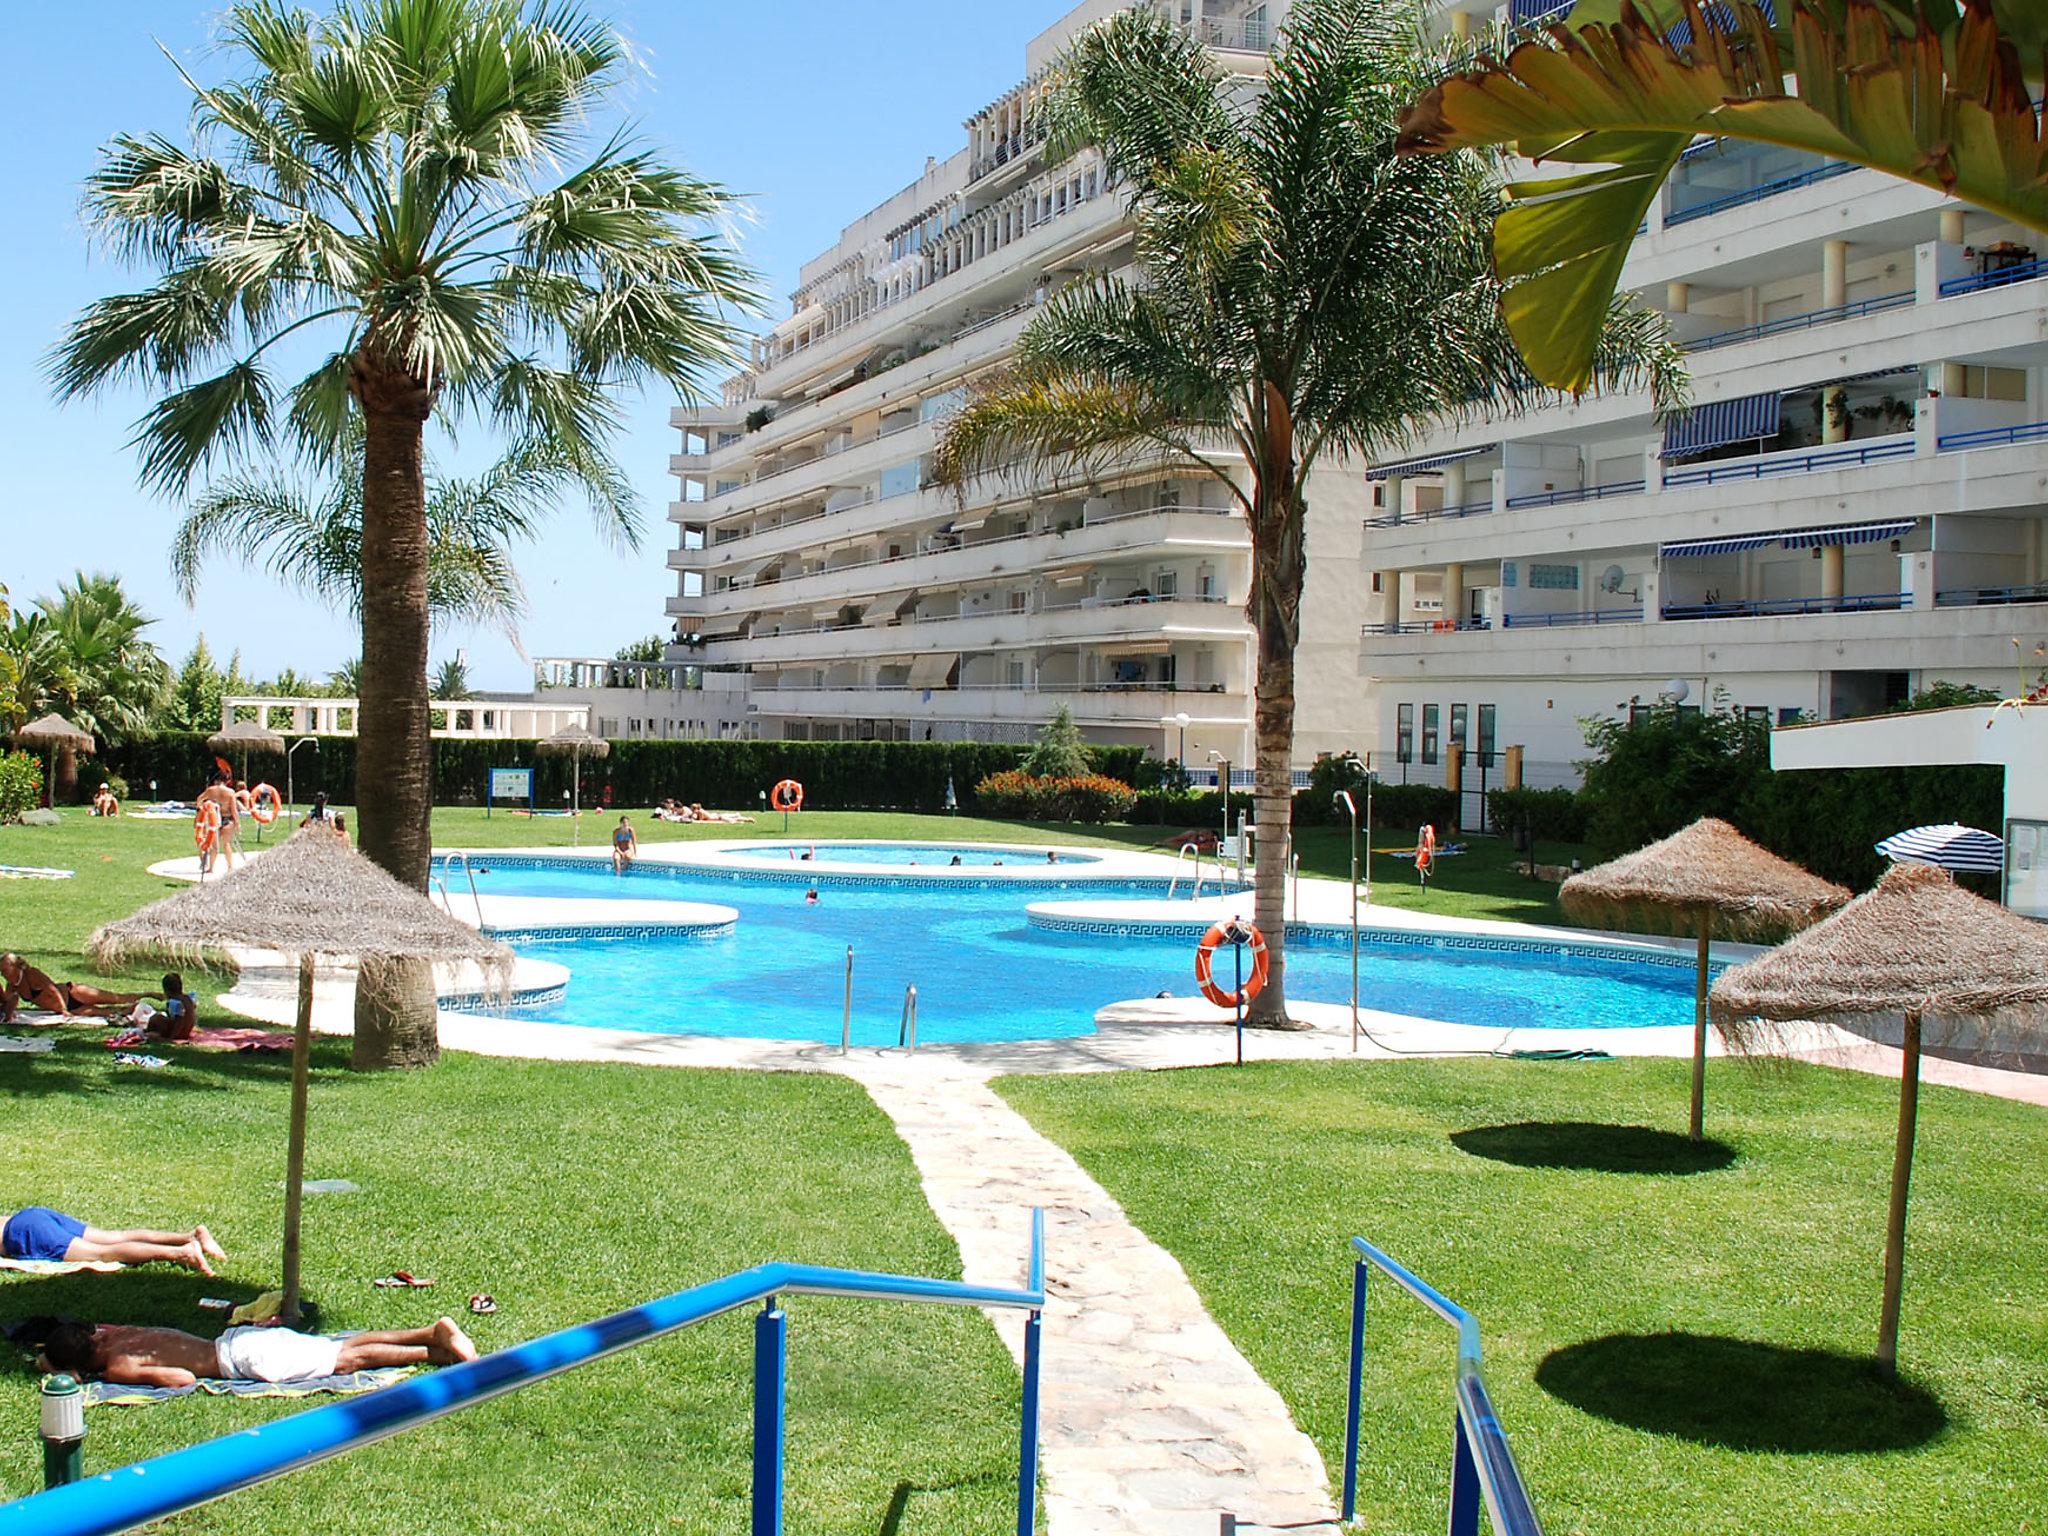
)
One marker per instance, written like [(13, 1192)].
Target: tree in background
[(1059, 752), (1303, 295), (451, 681), (85, 654), (417, 193), (649, 649), (345, 681)]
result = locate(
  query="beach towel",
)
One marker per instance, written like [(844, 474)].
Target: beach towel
[(32, 872), (60, 1266), (229, 1038), (26, 1045), (114, 1394)]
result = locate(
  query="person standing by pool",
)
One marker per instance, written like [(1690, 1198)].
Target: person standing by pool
[(625, 846), (221, 797)]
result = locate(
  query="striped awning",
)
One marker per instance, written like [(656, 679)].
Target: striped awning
[(1429, 465), (1949, 847), (1799, 538), (1721, 422), (1856, 533)]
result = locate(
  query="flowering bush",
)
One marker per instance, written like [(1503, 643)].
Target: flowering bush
[(1025, 796), (21, 785)]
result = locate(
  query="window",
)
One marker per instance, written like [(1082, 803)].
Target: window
[(1016, 673), (1017, 601), (1790, 715), (1509, 573), (1205, 584), (1756, 714), (1489, 733), (1555, 578), (1404, 734), (1168, 584), (1431, 714), (1459, 719)]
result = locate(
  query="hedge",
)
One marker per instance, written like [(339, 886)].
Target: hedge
[(836, 775)]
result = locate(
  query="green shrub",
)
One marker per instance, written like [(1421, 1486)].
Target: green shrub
[(21, 785), (1196, 808), (1022, 796), (1407, 806), (1537, 815), (1316, 806), (1059, 752)]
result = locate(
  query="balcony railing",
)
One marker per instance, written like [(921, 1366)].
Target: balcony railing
[(1788, 323), (1854, 602), (1587, 493), (1747, 195), (1791, 464), (1998, 277), (1993, 437), (1033, 611), (1572, 620), (1463, 509), (1006, 150), (1426, 627), (1990, 597)]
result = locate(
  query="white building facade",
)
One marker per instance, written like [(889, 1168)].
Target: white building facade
[(1856, 508), (830, 591)]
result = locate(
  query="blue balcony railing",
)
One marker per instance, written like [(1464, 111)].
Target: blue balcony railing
[(179, 1480), (1993, 437), (1678, 211), (1572, 620), (1463, 509), (1805, 322), (1791, 464), (1990, 597), (1855, 602), (1483, 1470), (1588, 493), (1428, 627), (1999, 277)]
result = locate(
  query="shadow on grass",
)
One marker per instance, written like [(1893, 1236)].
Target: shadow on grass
[(1742, 1395), (1592, 1147)]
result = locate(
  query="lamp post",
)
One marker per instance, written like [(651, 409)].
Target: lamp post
[(291, 801), (1343, 798), (1181, 720), (1223, 794)]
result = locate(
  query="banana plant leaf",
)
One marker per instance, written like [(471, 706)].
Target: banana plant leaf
[(1928, 92)]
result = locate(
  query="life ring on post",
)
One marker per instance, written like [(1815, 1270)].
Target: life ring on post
[(206, 826), (1205, 952), (1425, 848), (264, 803), (787, 796)]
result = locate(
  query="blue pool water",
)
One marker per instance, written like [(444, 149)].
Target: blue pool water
[(921, 854), (983, 974)]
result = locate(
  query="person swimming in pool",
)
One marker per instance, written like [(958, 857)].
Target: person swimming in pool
[(37, 1234), (625, 846), (170, 1357), (22, 983)]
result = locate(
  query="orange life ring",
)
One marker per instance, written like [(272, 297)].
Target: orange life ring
[(264, 803), (787, 796), (1425, 848), (206, 826), (1205, 952)]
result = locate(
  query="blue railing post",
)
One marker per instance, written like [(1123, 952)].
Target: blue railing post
[(1356, 1400), (1464, 1482), (1027, 1453), (771, 1391)]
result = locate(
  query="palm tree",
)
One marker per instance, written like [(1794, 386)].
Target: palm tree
[(451, 681), (416, 191), (310, 535), (1932, 93), (1301, 295), (84, 654)]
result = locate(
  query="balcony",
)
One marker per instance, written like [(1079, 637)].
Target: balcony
[(1126, 704), (1084, 623), (1787, 324), (1572, 620), (1585, 493), (1854, 602), (1722, 174), (1766, 466)]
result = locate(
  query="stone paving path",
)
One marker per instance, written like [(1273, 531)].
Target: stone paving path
[(1154, 1424)]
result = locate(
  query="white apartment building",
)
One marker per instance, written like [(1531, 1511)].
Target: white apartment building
[(828, 591), (1855, 509)]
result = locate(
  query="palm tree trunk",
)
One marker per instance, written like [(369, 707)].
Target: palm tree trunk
[(1278, 569), (394, 1019), (64, 777)]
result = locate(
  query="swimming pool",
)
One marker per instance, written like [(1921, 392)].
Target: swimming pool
[(939, 855), (983, 972)]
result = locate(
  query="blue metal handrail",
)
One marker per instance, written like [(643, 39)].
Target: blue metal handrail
[(1572, 620), (1805, 322), (1999, 277), (1463, 509), (1482, 1462), (1589, 493), (130, 1496), (1778, 607), (1990, 597), (1800, 464), (1992, 437), (1757, 194)]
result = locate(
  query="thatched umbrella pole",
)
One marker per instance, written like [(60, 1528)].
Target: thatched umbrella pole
[(295, 1144), (1895, 1217), (575, 741), (1696, 1123)]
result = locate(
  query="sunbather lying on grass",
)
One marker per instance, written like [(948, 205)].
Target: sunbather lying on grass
[(41, 1235), (21, 983), (170, 1357)]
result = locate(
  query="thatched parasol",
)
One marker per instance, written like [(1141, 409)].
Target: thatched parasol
[(1916, 945), (54, 734), (575, 743), (246, 736), (310, 895), (1705, 882)]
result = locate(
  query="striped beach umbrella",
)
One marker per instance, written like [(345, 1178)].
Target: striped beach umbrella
[(1947, 847)]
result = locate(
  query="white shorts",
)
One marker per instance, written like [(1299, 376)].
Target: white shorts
[(276, 1354)]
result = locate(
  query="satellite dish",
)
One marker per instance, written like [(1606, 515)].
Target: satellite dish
[(1677, 691), (1612, 578)]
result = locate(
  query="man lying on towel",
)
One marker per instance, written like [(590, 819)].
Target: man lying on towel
[(21, 983), (40, 1235), (168, 1357)]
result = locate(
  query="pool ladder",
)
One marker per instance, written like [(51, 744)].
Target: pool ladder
[(1181, 858), (447, 903), (906, 1029)]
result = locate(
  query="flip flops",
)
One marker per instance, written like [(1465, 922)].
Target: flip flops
[(482, 1304), (400, 1279)]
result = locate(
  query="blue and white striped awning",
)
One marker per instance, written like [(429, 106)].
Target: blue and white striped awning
[(1852, 533), (1717, 16), (1798, 538), (1948, 847), (1434, 462), (1721, 422)]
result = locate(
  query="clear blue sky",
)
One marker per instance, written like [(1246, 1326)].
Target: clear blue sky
[(816, 110)]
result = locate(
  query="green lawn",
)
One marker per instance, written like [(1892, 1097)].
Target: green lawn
[(1672, 1352), (566, 1192)]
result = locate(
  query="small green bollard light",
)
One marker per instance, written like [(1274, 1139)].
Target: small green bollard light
[(63, 1430)]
